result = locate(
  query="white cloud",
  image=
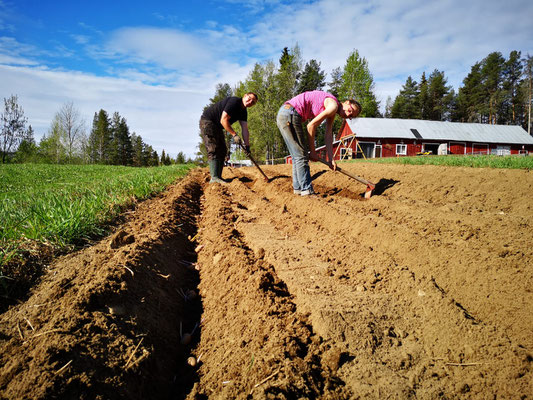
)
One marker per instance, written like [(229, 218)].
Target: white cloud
[(397, 39), (81, 39), (166, 118), (7, 59), (167, 48)]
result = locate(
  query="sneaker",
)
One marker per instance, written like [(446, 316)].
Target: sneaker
[(296, 191), (308, 192), (216, 179)]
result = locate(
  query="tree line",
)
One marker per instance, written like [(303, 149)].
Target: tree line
[(496, 91), (275, 83), (66, 142)]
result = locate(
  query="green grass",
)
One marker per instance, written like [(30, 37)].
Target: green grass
[(483, 161), (66, 204)]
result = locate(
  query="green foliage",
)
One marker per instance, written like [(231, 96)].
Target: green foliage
[(180, 159), (312, 78), (336, 82), (494, 91), (65, 204), (121, 149), (482, 161), (407, 103), (358, 83), (100, 139), (13, 125), (27, 150), (265, 140)]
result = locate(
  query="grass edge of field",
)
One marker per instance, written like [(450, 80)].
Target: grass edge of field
[(14, 251)]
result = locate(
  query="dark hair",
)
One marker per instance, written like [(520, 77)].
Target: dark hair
[(256, 96), (356, 103)]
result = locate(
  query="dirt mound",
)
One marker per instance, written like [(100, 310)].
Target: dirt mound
[(423, 291)]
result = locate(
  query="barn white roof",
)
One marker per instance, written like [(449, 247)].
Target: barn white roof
[(437, 130)]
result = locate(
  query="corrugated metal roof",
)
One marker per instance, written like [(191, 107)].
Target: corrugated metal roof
[(437, 130)]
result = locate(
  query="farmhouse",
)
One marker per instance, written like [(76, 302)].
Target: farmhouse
[(386, 137)]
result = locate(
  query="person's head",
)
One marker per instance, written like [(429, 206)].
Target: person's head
[(350, 109), (249, 99)]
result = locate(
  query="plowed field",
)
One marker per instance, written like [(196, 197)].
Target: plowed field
[(423, 291)]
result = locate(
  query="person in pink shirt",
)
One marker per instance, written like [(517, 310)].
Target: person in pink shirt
[(316, 106)]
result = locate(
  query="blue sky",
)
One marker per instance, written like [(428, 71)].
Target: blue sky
[(157, 63)]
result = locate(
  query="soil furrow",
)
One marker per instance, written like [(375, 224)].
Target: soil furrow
[(424, 291), (381, 287)]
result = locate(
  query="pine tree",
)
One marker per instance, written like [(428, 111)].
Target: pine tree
[(406, 105), (512, 106), (423, 98), (312, 77), (492, 73), (470, 97), (122, 148), (527, 91), (138, 150), (180, 158), (358, 83), (100, 139), (288, 73), (27, 149), (438, 96), (336, 82)]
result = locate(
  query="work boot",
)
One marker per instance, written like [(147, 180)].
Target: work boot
[(220, 168), (214, 172)]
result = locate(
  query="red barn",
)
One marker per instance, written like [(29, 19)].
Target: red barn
[(387, 137)]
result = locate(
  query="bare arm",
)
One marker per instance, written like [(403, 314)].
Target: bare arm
[(245, 133), (224, 121), (329, 115)]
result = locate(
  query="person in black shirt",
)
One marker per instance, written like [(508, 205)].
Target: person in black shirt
[(219, 117)]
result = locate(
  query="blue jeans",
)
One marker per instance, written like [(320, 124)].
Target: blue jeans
[(290, 125)]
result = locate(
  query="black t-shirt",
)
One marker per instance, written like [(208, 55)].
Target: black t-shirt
[(233, 107)]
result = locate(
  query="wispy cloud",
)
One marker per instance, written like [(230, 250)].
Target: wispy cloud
[(399, 38), (16, 53), (165, 47), (159, 78), (165, 117), (81, 39)]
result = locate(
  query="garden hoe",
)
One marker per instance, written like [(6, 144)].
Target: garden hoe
[(249, 155), (369, 185)]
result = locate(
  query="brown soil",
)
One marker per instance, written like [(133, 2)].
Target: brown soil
[(423, 291)]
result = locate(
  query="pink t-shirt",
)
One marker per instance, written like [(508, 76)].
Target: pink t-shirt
[(310, 104)]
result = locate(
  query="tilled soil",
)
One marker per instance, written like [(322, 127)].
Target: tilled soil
[(423, 291)]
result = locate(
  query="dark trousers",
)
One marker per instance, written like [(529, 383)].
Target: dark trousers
[(215, 142)]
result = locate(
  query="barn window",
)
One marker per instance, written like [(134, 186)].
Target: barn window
[(401, 149), (346, 153)]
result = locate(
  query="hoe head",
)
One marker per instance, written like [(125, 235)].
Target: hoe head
[(369, 189)]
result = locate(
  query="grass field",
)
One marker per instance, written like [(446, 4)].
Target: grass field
[(65, 204), (510, 162)]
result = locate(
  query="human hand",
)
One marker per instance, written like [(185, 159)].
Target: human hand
[(237, 140)]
